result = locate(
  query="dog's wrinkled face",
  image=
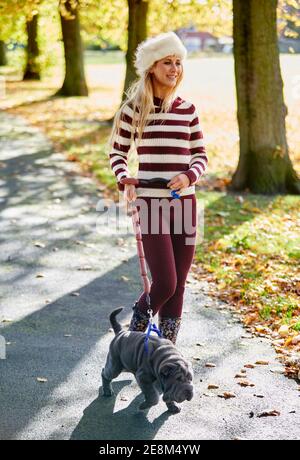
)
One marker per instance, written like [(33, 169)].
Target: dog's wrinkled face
[(176, 379)]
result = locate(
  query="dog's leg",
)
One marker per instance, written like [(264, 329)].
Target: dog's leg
[(173, 408), (112, 369), (148, 389)]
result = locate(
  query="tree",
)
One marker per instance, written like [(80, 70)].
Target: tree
[(264, 164), (74, 82), (137, 32), (32, 68), (3, 60)]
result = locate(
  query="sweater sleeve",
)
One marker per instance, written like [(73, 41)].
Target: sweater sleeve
[(198, 162), (121, 146)]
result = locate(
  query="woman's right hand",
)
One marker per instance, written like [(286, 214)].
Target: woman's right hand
[(129, 193)]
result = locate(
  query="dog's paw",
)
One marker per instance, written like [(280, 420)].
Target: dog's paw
[(173, 408)]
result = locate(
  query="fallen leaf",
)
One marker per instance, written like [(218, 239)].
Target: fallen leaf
[(38, 244), (277, 370), (296, 340), (212, 386), (227, 395), (271, 413), (210, 365), (239, 376), (40, 275), (249, 366), (283, 330), (262, 363), (245, 383)]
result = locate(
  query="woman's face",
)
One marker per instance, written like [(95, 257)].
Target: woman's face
[(166, 71)]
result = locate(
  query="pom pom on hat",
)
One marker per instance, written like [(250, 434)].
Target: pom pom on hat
[(155, 48)]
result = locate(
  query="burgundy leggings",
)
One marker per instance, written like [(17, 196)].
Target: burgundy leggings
[(169, 237)]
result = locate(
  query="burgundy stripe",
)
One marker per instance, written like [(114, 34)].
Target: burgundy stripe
[(122, 148), (124, 133), (196, 135), (119, 170), (163, 123), (163, 166), (198, 167), (126, 118), (197, 150), (166, 135), (161, 150), (195, 121), (118, 162)]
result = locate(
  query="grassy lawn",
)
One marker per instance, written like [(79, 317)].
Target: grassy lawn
[(251, 248)]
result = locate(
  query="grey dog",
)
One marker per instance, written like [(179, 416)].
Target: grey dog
[(162, 370)]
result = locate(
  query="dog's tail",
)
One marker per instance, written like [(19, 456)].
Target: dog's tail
[(115, 324)]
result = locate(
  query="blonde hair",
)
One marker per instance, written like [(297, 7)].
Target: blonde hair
[(139, 97)]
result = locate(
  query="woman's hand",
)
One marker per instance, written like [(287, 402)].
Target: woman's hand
[(180, 182), (129, 193)]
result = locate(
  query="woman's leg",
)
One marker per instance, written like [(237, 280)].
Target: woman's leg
[(171, 311), (159, 255), (158, 250)]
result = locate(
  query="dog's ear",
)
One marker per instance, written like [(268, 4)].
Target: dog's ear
[(168, 369)]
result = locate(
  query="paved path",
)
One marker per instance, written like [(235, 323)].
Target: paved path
[(64, 338)]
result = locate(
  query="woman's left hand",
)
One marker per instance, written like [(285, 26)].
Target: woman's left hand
[(179, 182)]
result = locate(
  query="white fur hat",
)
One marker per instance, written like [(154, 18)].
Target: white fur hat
[(155, 48)]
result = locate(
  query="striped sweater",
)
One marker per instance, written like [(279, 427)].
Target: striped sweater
[(165, 150)]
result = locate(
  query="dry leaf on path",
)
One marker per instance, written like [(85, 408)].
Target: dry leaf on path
[(271, 413), (38, 244), (245, 383), (227, 395), (210, 365)]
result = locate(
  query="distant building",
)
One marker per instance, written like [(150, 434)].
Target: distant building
[(197, 41)]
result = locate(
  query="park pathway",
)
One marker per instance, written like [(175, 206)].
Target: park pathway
[(62, 272)]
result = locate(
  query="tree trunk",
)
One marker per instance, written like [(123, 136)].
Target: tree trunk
[(74, 83), (264, 164), (137, 32), (32, 69), (3, 60)]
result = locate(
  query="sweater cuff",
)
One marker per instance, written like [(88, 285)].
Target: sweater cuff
[(121, 187), (191, 175)]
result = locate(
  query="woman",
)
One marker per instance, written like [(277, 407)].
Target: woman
[(169, 143)]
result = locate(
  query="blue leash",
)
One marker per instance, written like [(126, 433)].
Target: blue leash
[(174, 194), (154, 328)]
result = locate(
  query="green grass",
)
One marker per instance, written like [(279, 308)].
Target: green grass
[(251, 246)]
